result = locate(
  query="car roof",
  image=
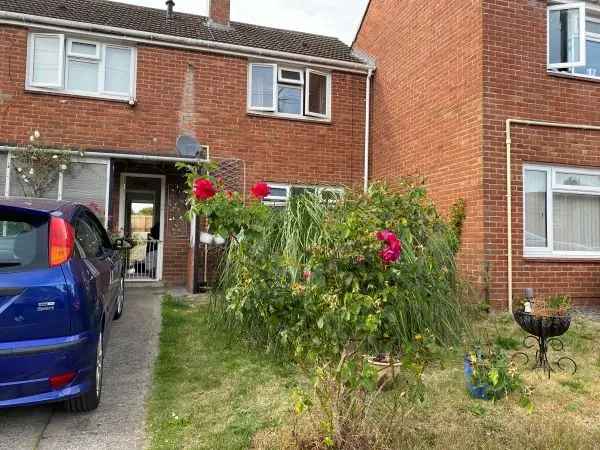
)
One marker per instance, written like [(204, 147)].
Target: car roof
[(39, 205)]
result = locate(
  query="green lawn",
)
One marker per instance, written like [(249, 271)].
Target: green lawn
[(210, 393), (213, 393)]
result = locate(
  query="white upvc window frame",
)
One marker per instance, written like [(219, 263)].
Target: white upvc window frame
[(581, 6), (31, 59), (250, 81), (276, 200), (67, 55), (279, 80), (307, 110), (72, 54), (285, 80), (553, 187)]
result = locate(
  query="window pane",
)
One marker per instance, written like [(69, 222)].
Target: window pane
[(118, 70), (592, 62), (564, 36), (82, 76), (22, 185), (81, 48), (86, 184), (2, 173), (592, 27), (278, 192), (290, 100), (576, 222), (291, 75), (297, 191), (535, 209), (317, 97), (46, 60), (262, 87), (576, 179)]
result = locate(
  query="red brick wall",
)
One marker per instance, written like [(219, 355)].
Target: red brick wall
[(518, 86), (427, 110), (220, 10), (274, 149), (183, 91)]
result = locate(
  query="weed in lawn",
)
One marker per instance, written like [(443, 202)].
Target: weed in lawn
[(507, 342), (576, 386), (477, 409)]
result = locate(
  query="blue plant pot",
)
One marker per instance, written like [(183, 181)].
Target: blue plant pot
[(480, 392)]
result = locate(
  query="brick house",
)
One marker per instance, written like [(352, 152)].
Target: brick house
[(120, 85), (465, 89)]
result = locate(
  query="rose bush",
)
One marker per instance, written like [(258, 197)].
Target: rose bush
[(227, 212), (318, 278)]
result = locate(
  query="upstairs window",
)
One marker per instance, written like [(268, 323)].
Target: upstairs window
[(82, 67), (574, 39), (566, 36), (288, 91)]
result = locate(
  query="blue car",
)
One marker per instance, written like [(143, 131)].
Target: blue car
[(61, 286)]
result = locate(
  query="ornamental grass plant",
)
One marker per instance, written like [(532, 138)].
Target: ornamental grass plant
[(316, 275)]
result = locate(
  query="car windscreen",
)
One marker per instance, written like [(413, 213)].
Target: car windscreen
[(23, 242)]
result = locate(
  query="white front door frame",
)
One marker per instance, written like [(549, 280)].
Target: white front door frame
[(163, 190)]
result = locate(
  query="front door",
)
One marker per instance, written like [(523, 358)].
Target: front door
[(142, 222)]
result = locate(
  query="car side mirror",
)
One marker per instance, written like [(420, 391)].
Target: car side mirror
[(121, 244)]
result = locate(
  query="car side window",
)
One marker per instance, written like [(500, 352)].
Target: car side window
[(87, 238), (99, 229)]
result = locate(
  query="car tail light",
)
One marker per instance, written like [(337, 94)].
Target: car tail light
[(60, 381), (61, 241)]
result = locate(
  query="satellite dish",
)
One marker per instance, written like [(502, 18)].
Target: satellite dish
[(188, 147)]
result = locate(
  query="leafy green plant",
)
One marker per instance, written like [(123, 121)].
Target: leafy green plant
[(559, 303), (228, 213), (494, 372)]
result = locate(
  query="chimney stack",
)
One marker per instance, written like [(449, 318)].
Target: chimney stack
[(219, 12), (170, 6)]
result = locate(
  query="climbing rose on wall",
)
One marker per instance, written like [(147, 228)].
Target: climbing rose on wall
[(204, 189), (261, 190)]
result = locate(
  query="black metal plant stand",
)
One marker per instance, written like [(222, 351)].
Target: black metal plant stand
[(545, 332)]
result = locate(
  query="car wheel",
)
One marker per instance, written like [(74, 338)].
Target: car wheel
[(91, 399), (120, 301)]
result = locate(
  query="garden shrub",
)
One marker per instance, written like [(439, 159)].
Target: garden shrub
[(316, 277)]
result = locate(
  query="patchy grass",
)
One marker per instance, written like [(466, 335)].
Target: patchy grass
[(210, 392), (214, 393)]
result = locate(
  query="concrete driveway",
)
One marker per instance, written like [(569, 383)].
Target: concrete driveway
[(119, 421)]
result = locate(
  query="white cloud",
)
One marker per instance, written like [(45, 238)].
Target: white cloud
[(338, 18)]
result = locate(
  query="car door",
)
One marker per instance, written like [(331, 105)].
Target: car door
[(112, 257), (96, 267)]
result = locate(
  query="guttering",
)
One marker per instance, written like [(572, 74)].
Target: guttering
[(367, 128), (109, 155), (509, 123), (19, 19)]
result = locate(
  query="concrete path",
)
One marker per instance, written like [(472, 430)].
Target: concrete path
[(119, 421)]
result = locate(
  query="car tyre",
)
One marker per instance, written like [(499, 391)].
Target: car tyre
[(120, 301), (91, 399)]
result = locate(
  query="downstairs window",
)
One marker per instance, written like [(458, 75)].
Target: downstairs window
[(561, 209)]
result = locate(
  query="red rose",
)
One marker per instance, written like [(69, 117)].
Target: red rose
[(261, 190), (204, 189), (393, 247)]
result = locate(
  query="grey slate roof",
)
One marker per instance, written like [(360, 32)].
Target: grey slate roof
[(120, 15)]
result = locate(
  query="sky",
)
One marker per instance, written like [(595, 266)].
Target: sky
[(339, 18)]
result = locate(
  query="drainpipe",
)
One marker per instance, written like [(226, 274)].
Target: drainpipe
[(367, 128), (538, 123)]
